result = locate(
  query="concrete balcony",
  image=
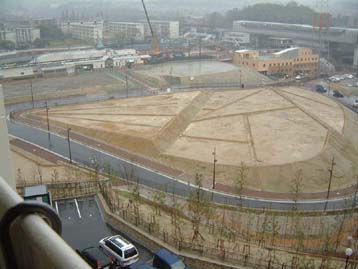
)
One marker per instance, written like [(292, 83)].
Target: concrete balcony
[(35, 244)]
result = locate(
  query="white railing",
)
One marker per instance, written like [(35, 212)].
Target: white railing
[(35, 244)]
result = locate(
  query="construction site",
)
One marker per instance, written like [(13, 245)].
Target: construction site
[(273, 131)]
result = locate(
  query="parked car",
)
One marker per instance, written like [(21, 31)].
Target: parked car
[(355, 103), (320, 88), (96, 258), (122, 251), (337, 94), (166, 259), (163, 259)]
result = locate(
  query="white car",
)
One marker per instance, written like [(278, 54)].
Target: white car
[(122, 251), (355, 103)]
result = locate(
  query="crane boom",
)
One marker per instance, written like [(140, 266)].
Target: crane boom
[(156, 49)]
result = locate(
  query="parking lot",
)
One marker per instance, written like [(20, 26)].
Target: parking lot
[(83, 225)]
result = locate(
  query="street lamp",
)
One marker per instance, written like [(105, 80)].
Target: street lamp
[(349, 253), (48, 125), (32, 95), (69, 144), (214, 172)]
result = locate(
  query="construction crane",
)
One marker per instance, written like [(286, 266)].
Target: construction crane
[(156, 50)]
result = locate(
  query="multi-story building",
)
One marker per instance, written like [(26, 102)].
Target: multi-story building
[(26, 35), (163, 29), (290, 62), (90, 31), (125, 30), (21, 35)]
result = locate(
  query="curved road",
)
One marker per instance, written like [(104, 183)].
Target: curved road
[(81, 154)]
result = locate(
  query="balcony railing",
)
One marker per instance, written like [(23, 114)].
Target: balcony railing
[(35, 244)]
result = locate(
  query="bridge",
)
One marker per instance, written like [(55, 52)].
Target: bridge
[(334, 38)]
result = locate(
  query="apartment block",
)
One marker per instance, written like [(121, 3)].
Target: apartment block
[(164, 29), (125, 30), (90, 31)]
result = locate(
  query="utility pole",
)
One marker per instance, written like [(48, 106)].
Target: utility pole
[(189, 48), (32, 95), (48, 125), (240, 78), (329, 183), (69, 144), (127, 81), (355, 195), (214, 172)]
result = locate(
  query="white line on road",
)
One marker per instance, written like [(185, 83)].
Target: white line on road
[(78, 210), (56, 206)]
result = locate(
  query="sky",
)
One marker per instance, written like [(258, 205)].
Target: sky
[(193, 7)]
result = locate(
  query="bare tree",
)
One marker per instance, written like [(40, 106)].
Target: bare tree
[(159, 200), (241, 180), (197, 205), (296, 187)]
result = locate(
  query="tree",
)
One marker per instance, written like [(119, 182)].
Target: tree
[(296, 187), (7, 45), (198, 205), (40, 43), (49, 31), (240, 180)]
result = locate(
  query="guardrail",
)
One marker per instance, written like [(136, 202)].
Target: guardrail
[(34, 242)]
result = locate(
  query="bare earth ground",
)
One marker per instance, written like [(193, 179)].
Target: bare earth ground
[(273, 131), (52, 87), (204, 72), (32, 168)]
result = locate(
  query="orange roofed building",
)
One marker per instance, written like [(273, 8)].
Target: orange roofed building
[(290, 62)]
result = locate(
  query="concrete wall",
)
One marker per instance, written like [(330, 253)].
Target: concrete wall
[(6, 165)]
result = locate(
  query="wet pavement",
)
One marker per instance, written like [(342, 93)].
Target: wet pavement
[(83, 225)]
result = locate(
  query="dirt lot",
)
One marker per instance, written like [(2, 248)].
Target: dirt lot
[(273, 131), (31, 169), (52, 87), (204, 72)]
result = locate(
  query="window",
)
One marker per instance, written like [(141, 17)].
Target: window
[(130, 253), (264, 65)]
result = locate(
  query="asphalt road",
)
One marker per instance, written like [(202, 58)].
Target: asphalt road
[(82, 154), (83, 225)]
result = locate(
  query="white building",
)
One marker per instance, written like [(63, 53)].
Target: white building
[(70, 61), (236, 38), (164, 29), (90, 31), (27, 34), (21, 35), (125, 30)]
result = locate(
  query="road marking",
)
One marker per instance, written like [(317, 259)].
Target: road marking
[(78, 210), (56, 207)]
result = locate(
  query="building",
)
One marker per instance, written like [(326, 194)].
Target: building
[(236, 39), (163, 29), (338, 43), (25, 35), (289, 62), (279, 42), (21, 35), (125, 30), (89, 31), (6, 166), (70, 62)]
